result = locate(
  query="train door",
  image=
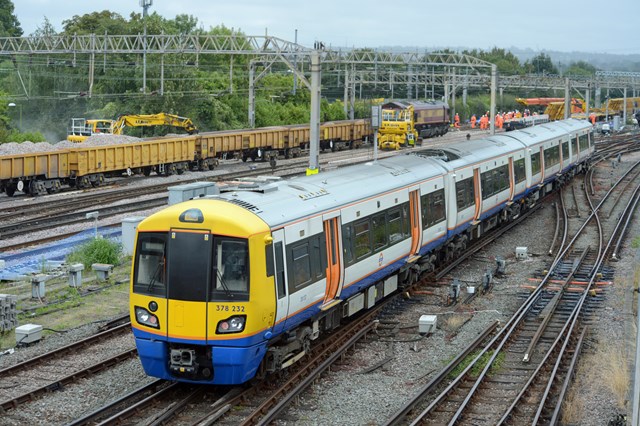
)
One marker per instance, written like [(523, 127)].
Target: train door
[(280, 278), (188, 286), (512, 179), (334, 269), (477, 194), (542, 165), (415, 221)]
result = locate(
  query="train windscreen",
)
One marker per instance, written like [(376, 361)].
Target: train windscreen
[(150, 266), (192, 266), (230, 270)]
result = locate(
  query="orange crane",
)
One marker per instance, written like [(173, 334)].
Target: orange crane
[(538, 101)]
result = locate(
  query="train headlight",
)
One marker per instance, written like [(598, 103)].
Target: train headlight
[(145, 317), (234, 324)]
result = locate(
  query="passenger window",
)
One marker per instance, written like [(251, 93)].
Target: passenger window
[(465, 194), (280, 277), (347, 243), (519, 170), (406, 222), (363, 239), (301, 265), (379, 231), (535, 163), (395, 225)]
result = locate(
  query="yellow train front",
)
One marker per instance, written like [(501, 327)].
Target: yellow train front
[(199, 313)]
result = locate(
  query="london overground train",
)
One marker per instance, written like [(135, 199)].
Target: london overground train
[(230, 286)]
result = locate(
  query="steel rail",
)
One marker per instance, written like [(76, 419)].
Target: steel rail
[(569, 376), (557, 230), (628, 213), (575, 200), (600, 260), (551, 307), (133, 408), (286, 399), (60, 352), (509, 327), (60, 383), (572, 321), (96, 414), (402, 413), (622, 191), (44, 222), (300, 379)]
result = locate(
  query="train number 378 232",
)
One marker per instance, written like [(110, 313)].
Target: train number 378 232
[(227, 308)]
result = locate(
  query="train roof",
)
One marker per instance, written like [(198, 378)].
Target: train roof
[(464, 153), (573, 124), (542, 132), (285, 201), (468, 152), (417, 105)]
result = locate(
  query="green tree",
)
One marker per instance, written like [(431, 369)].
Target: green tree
[(185, 24), (5, 130), (46, 29), (540, 64), (9, 24), (580, 68), (507, 62), (96, 23)]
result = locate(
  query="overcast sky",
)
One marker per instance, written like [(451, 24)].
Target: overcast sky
[(563, 25)]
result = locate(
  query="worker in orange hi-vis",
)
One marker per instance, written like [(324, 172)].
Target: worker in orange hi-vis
[(483, 122), (473, 121), (456, 121), (592, 117)]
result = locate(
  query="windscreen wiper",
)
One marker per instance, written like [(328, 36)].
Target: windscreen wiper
[(223, 283), (155, 276)]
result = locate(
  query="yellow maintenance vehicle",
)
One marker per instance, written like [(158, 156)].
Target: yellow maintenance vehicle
[(397, 128), (82, 128)]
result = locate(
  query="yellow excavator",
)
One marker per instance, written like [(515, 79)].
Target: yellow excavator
[(82, 128), (397, 129)]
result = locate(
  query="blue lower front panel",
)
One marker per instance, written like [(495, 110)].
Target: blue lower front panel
[(231, 365)]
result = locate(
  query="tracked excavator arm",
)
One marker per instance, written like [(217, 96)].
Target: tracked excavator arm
[(160, 119), (81, 128)]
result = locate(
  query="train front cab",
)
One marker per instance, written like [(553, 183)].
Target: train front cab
[(198, 312)]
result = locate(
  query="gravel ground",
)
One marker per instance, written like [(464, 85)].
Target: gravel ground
[(31, 380), (77, 400), (368, 399), (597, 396), (348, 396)]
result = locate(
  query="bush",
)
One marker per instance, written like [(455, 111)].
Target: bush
[(98, 250), (16, 136)]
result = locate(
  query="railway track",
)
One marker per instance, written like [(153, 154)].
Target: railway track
[(535, 354), (260, 403), (33, 378), (231, 404), (56, 212)]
